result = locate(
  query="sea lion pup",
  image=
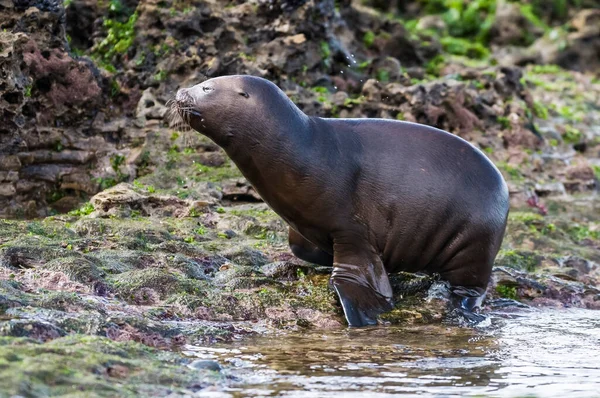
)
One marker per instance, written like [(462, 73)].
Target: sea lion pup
[(366, 196)]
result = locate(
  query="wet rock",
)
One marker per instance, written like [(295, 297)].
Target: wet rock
[(189, 267), (580, 264), (149, 107), (37, 330), (240, 189), (554, 188), (204, 364), (511, 27), (140, 285), (246, 256), (76, 268), (123, 199), (285, 270)]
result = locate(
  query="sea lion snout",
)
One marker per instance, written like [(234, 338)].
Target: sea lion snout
[(183, 97)]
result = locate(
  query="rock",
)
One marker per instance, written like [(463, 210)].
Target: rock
[(580, 172), (38, 330), (124, 199), (7, 190), (240, 189), (433, 22), (205, 364), (580, 264), (553, 188), (149, 107), (511, 27), (284, 270), (246, 256)]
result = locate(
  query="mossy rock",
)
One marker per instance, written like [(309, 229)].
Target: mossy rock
[(81, 365), (246, 256), (11, 296), (77, 269), (30, 252), (190, 268), (178, 247), (160, 280), (35, 329), (521, 260), (118, 261), (63, 301)]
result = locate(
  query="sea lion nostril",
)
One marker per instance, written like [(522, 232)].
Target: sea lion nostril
[(183, 97)]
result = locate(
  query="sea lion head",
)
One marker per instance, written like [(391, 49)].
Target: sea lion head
[(234, 108)]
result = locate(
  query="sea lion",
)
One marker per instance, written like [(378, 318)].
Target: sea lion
[(366, 196)]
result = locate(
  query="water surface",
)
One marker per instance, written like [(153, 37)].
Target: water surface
[(533, 353)]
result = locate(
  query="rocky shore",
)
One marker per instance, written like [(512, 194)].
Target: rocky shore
[(122, 239)]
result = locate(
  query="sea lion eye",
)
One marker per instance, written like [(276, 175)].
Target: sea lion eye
[(244, 94), (206, 89)]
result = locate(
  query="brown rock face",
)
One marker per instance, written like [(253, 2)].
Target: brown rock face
[(47, 102)]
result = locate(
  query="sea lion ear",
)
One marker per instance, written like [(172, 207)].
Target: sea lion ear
[(244, 94)]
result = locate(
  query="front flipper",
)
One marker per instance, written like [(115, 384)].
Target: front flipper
[(466, 301), (362, 284)]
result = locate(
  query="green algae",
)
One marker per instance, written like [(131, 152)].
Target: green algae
[(92, 365), (129, 285)]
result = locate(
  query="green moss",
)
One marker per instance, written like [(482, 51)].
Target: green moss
[(572, 135), (504, 122), (216, 174), (521, 260), (460, 46), (105, 183), (77, 268), (119, 38), (161, 75), (383, 75), (129, 285), (546, 69), (534, 222), (116, 161), (505, 291), (265, 215), (91, 366), (596, 171), (528, 12), (320, 90), (350, 102), (84, 210), (540, 110), (369, 39), (435, 65), (247, 57), (514, 173), (325, 50), (581, 232), (570, 113)]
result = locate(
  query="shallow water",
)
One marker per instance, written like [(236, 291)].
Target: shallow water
[(533, 353)]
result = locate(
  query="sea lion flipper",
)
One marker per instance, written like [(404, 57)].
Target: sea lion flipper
[(465, 301), (361, 304), (363, 287)]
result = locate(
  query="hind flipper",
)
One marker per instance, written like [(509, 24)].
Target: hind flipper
[(361, 282)]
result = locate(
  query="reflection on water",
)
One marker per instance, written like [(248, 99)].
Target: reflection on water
[(543, 353)]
